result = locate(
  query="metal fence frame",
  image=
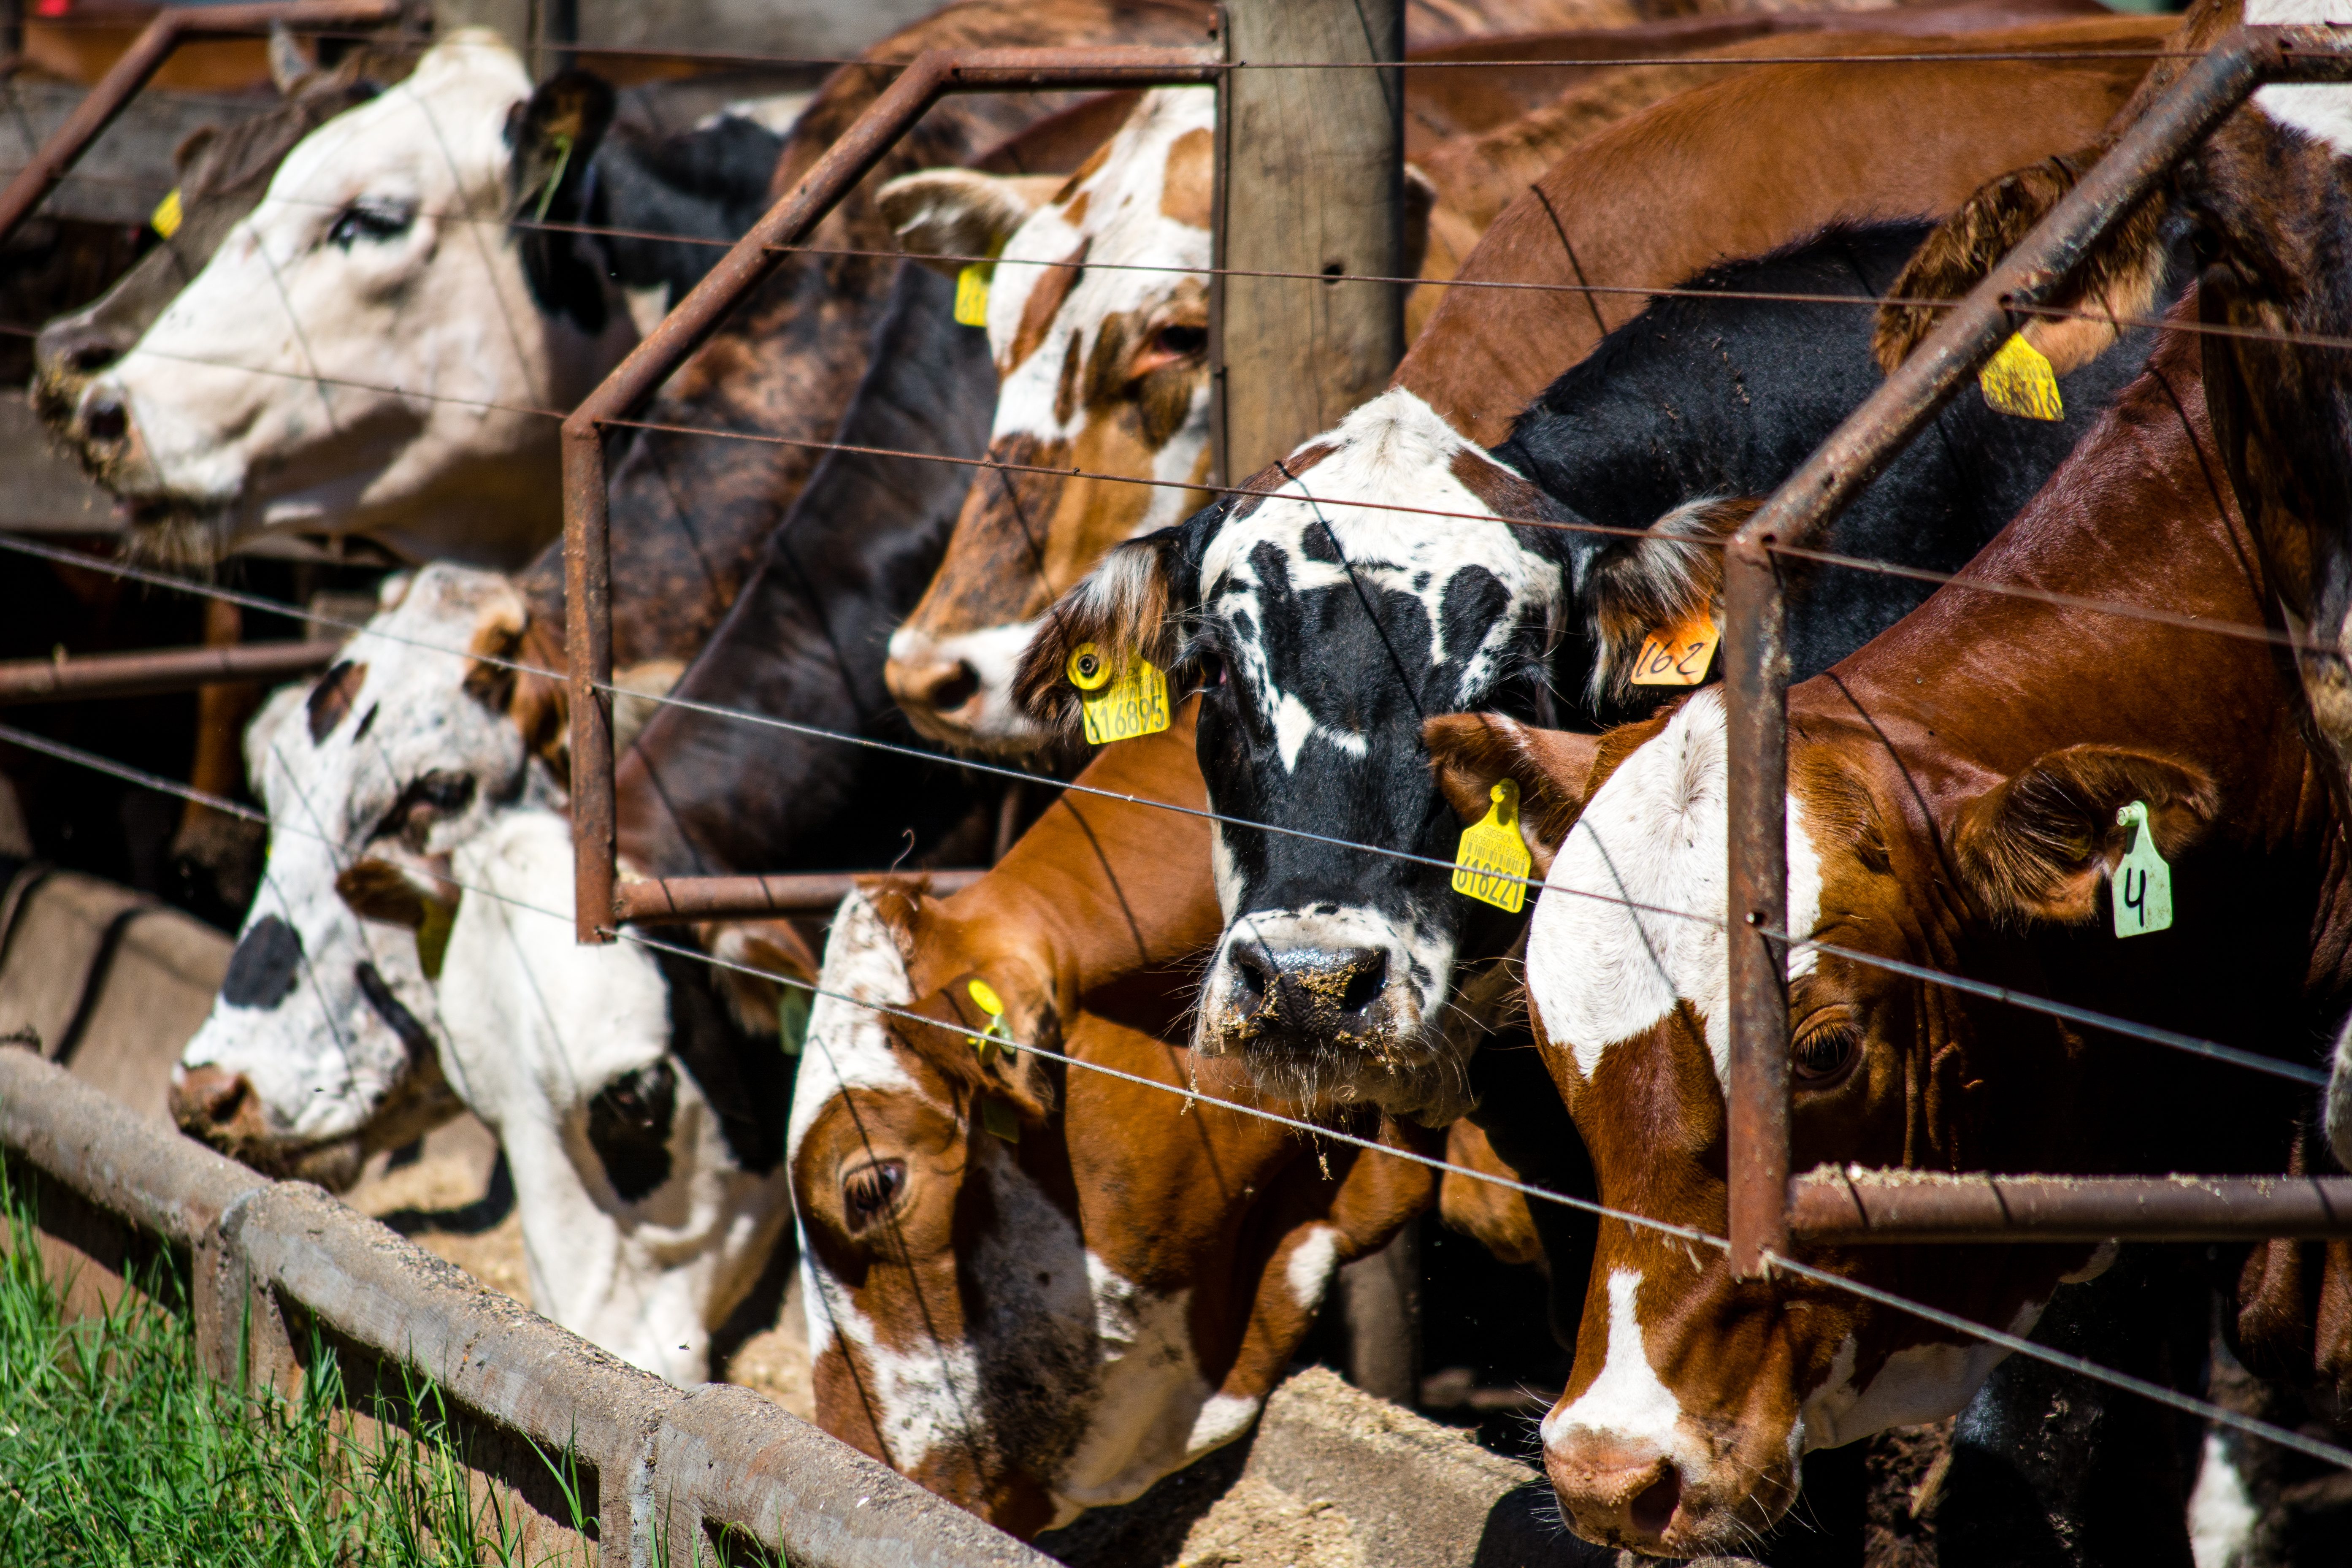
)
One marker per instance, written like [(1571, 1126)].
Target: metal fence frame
[(1766, 1205)]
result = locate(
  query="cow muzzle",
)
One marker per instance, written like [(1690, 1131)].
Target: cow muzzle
[(1626, 1491), (219, 1108)]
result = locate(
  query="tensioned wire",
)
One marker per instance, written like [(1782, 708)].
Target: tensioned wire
[(2125, 1027), (2328, 1452)]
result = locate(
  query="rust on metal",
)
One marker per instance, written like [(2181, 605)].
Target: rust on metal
[(587, 540), (1756, 670), (1843, 1207), (654, 900), (169, 29), (146, 674)]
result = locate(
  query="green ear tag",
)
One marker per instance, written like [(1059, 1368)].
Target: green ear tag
[(1493, 858), (971, 294), (2142, 886), (432, 937), (997, 1119), (792, 1019)]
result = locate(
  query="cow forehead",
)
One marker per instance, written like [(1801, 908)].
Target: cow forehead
[(848, 1045), (1396, 453), (441, 125), (1119, 212), (1630, 920)]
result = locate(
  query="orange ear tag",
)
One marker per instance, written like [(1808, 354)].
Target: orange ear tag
[(1133, 704), (1680, 654), (1492, 863)]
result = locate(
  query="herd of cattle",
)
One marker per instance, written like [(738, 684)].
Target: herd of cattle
[(1038, 1289)]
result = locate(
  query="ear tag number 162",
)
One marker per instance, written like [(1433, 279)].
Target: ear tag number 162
[(1135, 703), (1491, 866), (2143, 883)]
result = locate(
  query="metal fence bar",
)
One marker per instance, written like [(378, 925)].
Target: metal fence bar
[(167, 670), (587, 550), (1756, 673), (656, 900), (169, 29), (1850, 1207)]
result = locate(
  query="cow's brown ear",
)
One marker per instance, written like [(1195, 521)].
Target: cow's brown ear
[(1657, 582), (771, 954), (2033, 847), (1119, 613), (944, 218), (999, 1060), (1470, 752)]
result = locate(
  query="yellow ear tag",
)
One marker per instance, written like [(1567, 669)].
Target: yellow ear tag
[(971, 294), (2017, 381), (2142, 886), (1493, 858), (165, 219), (1679, 654), (1136, 703), (998, 1032)]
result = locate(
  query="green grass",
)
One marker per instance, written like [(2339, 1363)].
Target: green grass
[(117, 1450)]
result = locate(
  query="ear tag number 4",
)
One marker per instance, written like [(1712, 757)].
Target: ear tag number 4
[(1134, 704), (2143, 883), (1677, 655), (996, 1118), (1493, 861)]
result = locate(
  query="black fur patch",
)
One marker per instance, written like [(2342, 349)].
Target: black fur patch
[(261, 969), (628, 1126)]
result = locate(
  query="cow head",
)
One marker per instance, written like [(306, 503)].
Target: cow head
[(286, 386), (1103, 369), (1037, 1325), (1321, 631), (1694, 1393)]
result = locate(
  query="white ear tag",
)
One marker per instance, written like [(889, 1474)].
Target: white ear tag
[(2142, 886)]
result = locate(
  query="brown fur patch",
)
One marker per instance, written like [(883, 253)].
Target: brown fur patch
[(498, 637), (1469, 752), (1657, 582), (1495, 1216), (1044, 303), (2032, 846), (1500, 491), (331, 699), (1191, 177)]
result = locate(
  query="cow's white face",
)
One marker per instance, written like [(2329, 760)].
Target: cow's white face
[(1104, 369), (286, 387)]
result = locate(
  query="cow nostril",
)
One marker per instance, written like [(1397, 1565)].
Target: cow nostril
[(1367, 976), (1652, 1509), (1253, 979), (954, 688), (102, 419), (208, 1100), (92, 357)]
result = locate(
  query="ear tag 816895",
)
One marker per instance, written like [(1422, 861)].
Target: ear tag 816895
[(2017, 380), (1678, 655), (2142, 888), (1135, 703), (1493, 861)]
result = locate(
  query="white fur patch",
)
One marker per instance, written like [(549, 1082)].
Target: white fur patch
[(1627, 1403), (2221, 1514), (849, 1045), (1309, 1267), (1918, 1383), (1602, 971), (2320, 110)]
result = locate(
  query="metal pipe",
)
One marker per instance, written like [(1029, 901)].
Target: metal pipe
[(169, 29), (145, 674), (1858, 1206), (587, 547), (675, 901), (1755, 661)]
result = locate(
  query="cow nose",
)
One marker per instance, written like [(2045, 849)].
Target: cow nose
[(1310, 988), (1625, 1498), (103, 419), (935, 685), (209, 1101)]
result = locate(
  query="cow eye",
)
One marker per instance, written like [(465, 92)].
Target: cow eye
[(868, 1192), (1180, 341), (375, 221), (1209, 670), (1824, 1053)]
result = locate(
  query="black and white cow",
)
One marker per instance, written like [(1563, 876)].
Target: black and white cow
[(1390, 571)]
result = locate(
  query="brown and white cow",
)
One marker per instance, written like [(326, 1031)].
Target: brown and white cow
[(1954, 794), (1105, 370), (1037, 1289)]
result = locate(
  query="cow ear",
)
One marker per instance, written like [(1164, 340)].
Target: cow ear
[(766, 956), (1666, 578), (1121, 609), (1471, 752), (290, 65), (554, 136), (1011, 1070), (2033, 847), (944, 217), (497, 639)]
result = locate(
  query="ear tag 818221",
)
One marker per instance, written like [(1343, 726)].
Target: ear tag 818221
[(1493, 859), (2017, 380), (1678, 655), (1135, 703), (2142, 888)]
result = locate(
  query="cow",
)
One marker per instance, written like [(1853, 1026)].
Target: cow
[(1324, 627), (1138, 408), (450, 729), (1031, 1287), (1961, 792), (366, 351)]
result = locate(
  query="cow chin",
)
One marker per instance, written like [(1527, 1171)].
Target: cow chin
[(1700, 1494), (1334, 1006)]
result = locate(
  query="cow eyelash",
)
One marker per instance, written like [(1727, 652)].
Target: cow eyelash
[(870, 1191), (1822, 1056), (374, 221)]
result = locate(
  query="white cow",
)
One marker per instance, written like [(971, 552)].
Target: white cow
[(411, 948), (362, 354)]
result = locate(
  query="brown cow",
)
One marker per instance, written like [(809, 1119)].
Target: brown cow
[(1955, 789), (1038, 1289), (1108, 370)]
